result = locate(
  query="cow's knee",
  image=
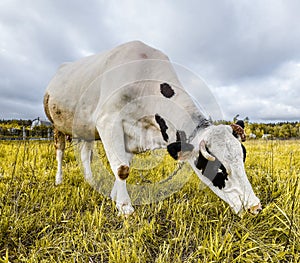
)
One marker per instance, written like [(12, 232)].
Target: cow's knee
[(59, 140), (123, 172)]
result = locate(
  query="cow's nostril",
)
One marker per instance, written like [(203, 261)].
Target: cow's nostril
[(255, 209)]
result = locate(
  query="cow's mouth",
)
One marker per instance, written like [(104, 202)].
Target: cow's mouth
[(254, 210)]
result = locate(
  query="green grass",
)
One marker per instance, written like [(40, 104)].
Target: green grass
[(41, 222)]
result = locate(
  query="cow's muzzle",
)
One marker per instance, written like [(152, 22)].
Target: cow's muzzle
[(254, 210)]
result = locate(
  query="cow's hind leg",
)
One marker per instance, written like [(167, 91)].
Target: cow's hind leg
[(60, 144)]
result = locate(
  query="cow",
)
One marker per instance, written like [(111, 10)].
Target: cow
[(131, 99)]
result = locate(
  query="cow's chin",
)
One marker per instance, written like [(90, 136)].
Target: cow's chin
[(245, 207), (239, 194), (255, 210)]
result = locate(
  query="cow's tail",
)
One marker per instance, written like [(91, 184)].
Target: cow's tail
[(46, 107)]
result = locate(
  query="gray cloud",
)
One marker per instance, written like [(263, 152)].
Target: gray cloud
[(270, 98), (247, 51)]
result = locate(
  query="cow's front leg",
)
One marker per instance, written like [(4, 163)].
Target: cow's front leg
[(119, 192), (119, 159), (86, 154)]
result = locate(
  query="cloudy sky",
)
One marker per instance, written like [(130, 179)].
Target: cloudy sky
[(247, 51)]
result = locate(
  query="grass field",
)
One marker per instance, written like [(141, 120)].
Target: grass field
[(41, 222)]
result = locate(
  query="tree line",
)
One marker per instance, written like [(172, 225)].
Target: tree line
[(17, 129), (280, 130)]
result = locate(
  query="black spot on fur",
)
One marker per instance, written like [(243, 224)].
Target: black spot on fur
[(211, 170), (241, 123), (244, 152), (221, 176), (163, 127), (166, 90), (201, 162)]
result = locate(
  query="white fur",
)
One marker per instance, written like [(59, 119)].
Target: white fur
[(86, 152), (110, 95), (59, 157), (120, 195)]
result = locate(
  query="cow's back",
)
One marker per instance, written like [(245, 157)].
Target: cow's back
[(70, 94)]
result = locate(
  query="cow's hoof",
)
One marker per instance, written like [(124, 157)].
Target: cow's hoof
[(125, 209), (58, 181), (90, 179)]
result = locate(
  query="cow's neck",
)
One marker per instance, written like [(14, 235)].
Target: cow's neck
[(153, 132), (204, 123)]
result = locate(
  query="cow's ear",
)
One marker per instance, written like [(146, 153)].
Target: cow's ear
[(173, 149), (238, 132), (178, 150)]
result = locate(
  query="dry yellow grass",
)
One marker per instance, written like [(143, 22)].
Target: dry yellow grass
[(41, 222)]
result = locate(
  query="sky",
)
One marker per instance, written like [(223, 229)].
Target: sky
[(246, 51)]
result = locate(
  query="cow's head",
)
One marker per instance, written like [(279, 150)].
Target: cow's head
[(218, 160), (219, 146)]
